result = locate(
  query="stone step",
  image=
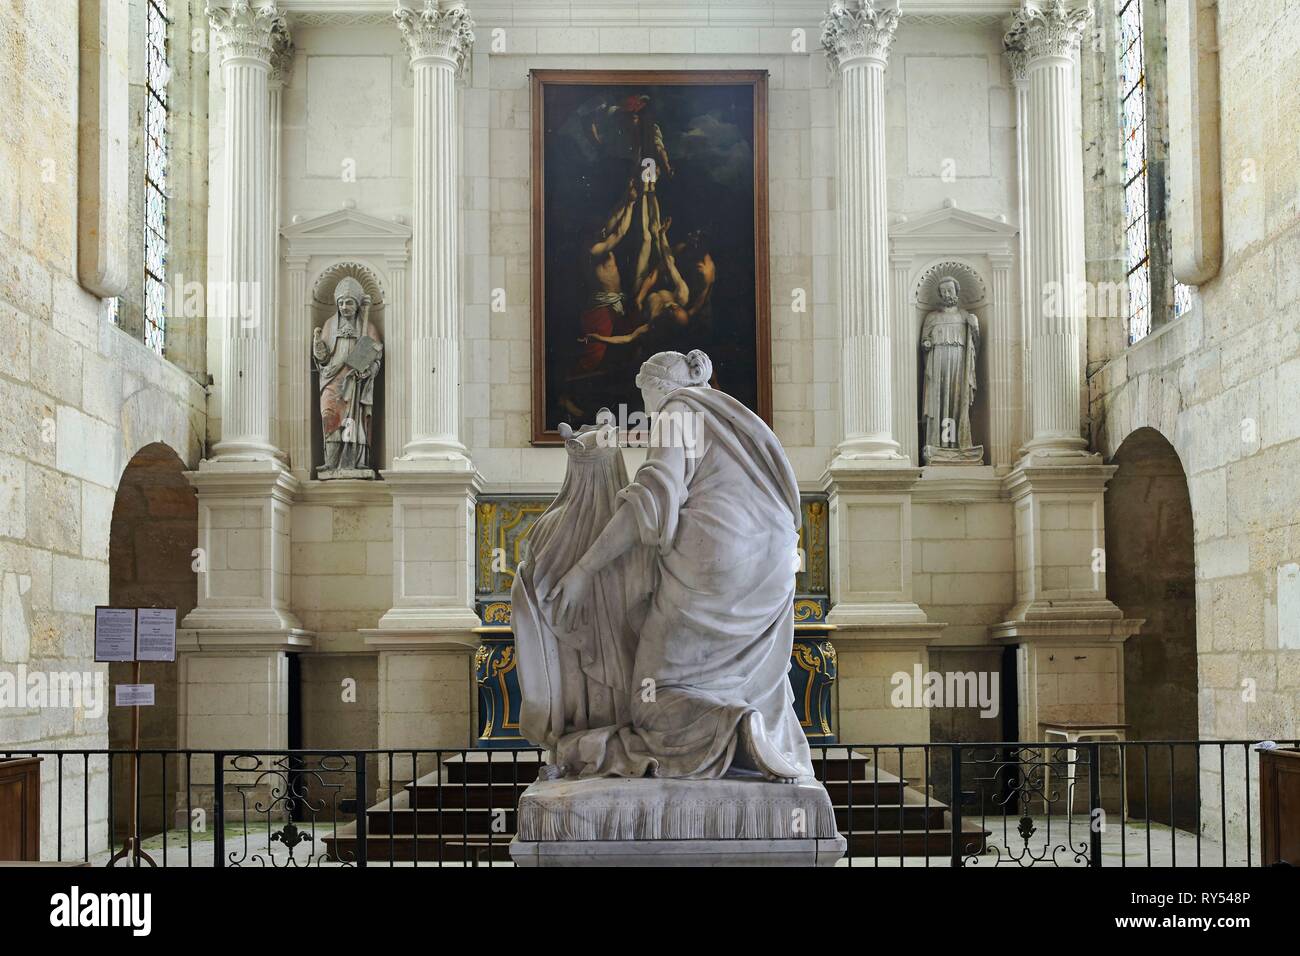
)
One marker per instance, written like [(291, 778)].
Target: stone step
[(453, 812)]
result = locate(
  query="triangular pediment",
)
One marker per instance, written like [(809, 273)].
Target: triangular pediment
[(346, 223), (952, 221)]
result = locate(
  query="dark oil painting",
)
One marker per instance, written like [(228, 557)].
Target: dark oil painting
[(649, 226)]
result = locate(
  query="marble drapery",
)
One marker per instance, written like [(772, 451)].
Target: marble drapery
[(718, 519), (579, 681)]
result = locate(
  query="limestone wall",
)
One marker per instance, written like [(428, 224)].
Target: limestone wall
[(1221, 384), (80, 397)]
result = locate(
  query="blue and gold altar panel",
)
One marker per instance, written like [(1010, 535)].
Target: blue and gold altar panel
[(503, 525), (812, 672), (499, 699)]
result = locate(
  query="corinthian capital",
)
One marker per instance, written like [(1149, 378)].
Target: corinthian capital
[(855, 29), (441, 30), (1018, 60), (1043, 28), (281, 52), (244, 28)]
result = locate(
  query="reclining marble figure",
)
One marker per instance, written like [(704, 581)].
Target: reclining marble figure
[(654, 618)]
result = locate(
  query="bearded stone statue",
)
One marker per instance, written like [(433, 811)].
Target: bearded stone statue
[(347, 352), (950, 338)]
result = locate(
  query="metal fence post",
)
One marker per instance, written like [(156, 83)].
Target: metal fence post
[(218, 808), (362, 839), (1094, 805), (954, 774)]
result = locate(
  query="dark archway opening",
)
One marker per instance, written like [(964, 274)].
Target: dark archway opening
[(151, 542), (1151, 574)]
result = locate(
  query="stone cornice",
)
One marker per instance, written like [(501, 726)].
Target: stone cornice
[(1047, 28), (443, 32), (244, 28), (855, 30)]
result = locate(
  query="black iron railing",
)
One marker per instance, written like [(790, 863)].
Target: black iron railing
[(1087, 803)]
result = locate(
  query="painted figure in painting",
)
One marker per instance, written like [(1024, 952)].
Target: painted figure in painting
[(347, 352), (950, 338)]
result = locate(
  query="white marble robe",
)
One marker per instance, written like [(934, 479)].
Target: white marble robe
[(721, 521), (575, 681)]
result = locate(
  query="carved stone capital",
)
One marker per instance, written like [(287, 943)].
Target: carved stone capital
[(244, 28), (1047, 28), (444, 31), (1018, 60), (282, 51), (855, 29)]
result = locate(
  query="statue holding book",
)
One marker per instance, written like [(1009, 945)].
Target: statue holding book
[(347, 352)]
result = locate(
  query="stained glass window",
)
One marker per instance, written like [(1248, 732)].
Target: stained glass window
[(157, 156), (1133, 117)]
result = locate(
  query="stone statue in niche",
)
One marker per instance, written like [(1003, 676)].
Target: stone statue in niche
[(347, 351), (950, 338)]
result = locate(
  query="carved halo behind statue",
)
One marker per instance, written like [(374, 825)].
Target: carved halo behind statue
[(347, 351), (950, 342)]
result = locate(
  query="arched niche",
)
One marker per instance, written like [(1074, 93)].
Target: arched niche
[(320, 307), (311, 247), (984, 248), (974, 299)]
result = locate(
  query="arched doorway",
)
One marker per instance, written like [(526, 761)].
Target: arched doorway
[(152, 537), (1151, 574)]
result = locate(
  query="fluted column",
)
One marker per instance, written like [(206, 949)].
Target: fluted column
[(397, 408), (243, 38), (433, 484), (905, 401), (1017, 59), (1001, 354), (856, 37), (438, 38), (281, 64), (1049, 34), (297, 324)]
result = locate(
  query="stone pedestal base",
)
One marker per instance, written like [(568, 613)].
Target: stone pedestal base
[(813, 852), (336, 474), (937, 455), (737, 821)]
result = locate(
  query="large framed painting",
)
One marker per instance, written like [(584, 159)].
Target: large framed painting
[(649, 234)]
